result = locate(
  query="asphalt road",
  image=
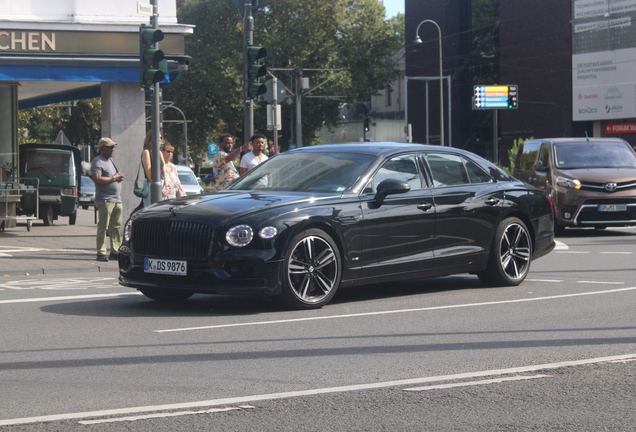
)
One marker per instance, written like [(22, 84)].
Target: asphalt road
[(556, 353)]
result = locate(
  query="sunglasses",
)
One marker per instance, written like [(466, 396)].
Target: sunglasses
[(168, 151)]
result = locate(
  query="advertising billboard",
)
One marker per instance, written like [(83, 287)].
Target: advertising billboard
[(603, 59)]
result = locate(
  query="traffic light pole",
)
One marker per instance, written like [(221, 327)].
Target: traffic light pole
[(155, 186), (248, 34)]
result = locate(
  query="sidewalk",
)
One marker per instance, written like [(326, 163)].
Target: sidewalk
[(61, 248)]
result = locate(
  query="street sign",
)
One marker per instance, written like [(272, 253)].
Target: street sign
[(273, 118), (495, 97), (282, 92), (213, 148), (144, 8)]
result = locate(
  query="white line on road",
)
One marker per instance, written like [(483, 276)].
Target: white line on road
[(572, 252), (398, 311), (474, 383), (600, 282), (163, 415), (312, 392), (616, 253), (76, 297)]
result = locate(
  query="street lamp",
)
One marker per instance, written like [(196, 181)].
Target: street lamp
[(417, 40)]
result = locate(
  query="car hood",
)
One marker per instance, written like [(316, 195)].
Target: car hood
[(600, 175), (228, 205)]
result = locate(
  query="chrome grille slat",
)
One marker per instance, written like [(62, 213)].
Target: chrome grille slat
[(172, 239)]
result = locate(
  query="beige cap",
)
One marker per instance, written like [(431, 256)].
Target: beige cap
[(106, 142)]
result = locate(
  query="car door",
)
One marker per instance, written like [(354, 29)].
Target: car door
[(468, 205), (399, 234)]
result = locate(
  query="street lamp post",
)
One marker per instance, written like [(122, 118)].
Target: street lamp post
[(417, 40)]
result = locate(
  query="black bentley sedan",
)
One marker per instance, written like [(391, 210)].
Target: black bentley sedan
[(311, 220)]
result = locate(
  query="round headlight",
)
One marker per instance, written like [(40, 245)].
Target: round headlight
[(240, 235), (128, 230), (268, 232)]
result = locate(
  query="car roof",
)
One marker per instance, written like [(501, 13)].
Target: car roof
[(377, 148), (183, 168)]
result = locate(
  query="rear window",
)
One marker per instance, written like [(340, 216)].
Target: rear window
[(594, 155)]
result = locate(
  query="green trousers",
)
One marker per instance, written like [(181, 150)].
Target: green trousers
[(109, 218)]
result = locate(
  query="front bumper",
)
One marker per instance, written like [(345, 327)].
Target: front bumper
[(236, 272)]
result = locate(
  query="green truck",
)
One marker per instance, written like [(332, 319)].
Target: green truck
[(57, 169)]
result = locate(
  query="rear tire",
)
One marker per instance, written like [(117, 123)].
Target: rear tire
[(510, 255), (312, 269), (72, 218), (166, 295)]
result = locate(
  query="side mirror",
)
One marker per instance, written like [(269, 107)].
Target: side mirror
[(389, 187), (538, 166)]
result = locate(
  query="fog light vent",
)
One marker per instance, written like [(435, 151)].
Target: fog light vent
[(567, 215)]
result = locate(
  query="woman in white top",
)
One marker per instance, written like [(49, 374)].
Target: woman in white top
[(172, 185)]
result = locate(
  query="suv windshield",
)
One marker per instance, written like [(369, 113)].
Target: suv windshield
[(594, 155), (306, 172), (49, 162)]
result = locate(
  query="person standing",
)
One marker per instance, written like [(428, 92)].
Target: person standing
[(146, 163), (256, 156), (172, 185), (107, 180), (223, 162)]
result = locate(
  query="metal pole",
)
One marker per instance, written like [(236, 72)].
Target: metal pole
[(495, 137), (155, 185), (428, 139), (248, 34), (274, 113), (299, 124), (406, 109)]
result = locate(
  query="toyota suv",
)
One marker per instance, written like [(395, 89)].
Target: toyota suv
[(592, 181)]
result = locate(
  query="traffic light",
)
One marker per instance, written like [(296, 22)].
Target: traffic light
[(153, 67), (255, 70)]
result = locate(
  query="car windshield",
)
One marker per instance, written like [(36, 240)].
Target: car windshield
[(87, 182), (187, 178), (594, 155), (306, 172), (49, 162)]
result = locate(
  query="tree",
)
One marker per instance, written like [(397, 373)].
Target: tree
[(347, 43)]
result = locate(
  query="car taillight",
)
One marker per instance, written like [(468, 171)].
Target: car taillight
[(551, 203)]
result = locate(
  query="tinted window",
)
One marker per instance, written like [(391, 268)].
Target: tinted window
[(402, 167), (476, 174), (49, 162), (544, 155), (527, 156), (446, 170)]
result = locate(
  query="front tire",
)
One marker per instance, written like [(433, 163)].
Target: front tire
[(510, 255), (312, 270), (166, 295), (72, 218), (47, 215)]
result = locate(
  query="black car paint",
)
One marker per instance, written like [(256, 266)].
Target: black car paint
[(393, 242)]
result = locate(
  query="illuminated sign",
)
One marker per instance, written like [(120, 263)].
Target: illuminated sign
[(495, 97)]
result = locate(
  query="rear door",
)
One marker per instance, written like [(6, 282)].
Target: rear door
[(468, 206)]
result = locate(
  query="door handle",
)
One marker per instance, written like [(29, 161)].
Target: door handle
[(424, 206), (492, 201)]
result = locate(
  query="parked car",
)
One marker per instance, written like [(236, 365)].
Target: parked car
[(87, 194), (208, 179), (188, 180), (592, 181), (310, 220)]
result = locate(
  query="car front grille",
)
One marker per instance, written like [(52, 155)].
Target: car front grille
[(172, 239), (589, 213), (600, 187)]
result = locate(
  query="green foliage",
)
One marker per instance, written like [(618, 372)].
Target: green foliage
[(512, 154), (347, 43)]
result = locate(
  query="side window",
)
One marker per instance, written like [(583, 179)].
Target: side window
[(475, 174), (544, 155), (446, 169), (527, 156), (402, 167)]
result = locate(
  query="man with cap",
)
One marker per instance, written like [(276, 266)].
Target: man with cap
[(107, 180)]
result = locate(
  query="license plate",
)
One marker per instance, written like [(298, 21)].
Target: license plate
[(82, 199), (162, 266), (612, 207)]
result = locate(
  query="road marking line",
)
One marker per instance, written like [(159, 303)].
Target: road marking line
[(544, 280), (572, 252), (617, 253), (600, 282), (475, 383), (162, 415), (239, 400), (76, 297), (364, 314), (558, 245)]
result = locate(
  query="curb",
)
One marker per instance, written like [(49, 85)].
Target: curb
[(41, 271)]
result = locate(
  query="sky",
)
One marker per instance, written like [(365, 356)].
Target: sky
[(393, 7)]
